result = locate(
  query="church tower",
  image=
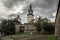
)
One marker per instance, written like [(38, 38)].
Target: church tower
[(17, 23), (18, 18), (30, 15)]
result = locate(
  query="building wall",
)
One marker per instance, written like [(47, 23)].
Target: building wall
[(36, 19), (17, 28), (22, 28), (57, 25), (29, 18), (29, 28)]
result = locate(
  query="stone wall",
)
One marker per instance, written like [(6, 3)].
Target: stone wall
[(17, 28), (29, 28), (57, 25), (30, 18)]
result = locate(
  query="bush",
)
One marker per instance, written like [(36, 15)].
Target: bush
[(8, 27)]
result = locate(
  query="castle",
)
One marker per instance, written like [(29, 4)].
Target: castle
[(26, 27)]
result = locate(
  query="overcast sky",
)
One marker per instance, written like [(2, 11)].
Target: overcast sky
[(44, 8)]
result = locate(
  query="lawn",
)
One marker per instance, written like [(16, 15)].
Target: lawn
[(33, 36), (50, 37), (22, 35)]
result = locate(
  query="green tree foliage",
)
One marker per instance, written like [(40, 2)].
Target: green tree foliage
[(44, 25), (38, 25), (50, 28), (8, 26)]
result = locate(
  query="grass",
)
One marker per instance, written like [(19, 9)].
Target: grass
[(50, 37), (28, 35), (21, 35)]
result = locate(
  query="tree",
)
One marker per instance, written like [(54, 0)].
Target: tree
[(38, 25), (8, 27), (50, 28), (44, 25)]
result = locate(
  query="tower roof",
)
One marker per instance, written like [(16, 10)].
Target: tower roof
[(30, 6), (17, 19), (30, 10), (18, 16)]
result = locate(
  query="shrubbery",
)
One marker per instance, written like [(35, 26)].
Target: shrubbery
[(44, 26), (8, 27)]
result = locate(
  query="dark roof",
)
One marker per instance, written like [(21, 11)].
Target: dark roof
[(30, 14), (30, 9), (15, 20)]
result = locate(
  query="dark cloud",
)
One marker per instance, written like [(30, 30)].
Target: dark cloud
[(50, 5), (11, 3), (43, 8), (46, 4), (11, 15)]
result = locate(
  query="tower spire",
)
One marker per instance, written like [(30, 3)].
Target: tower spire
[(30, 7), (18, 15), (30, 10)]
